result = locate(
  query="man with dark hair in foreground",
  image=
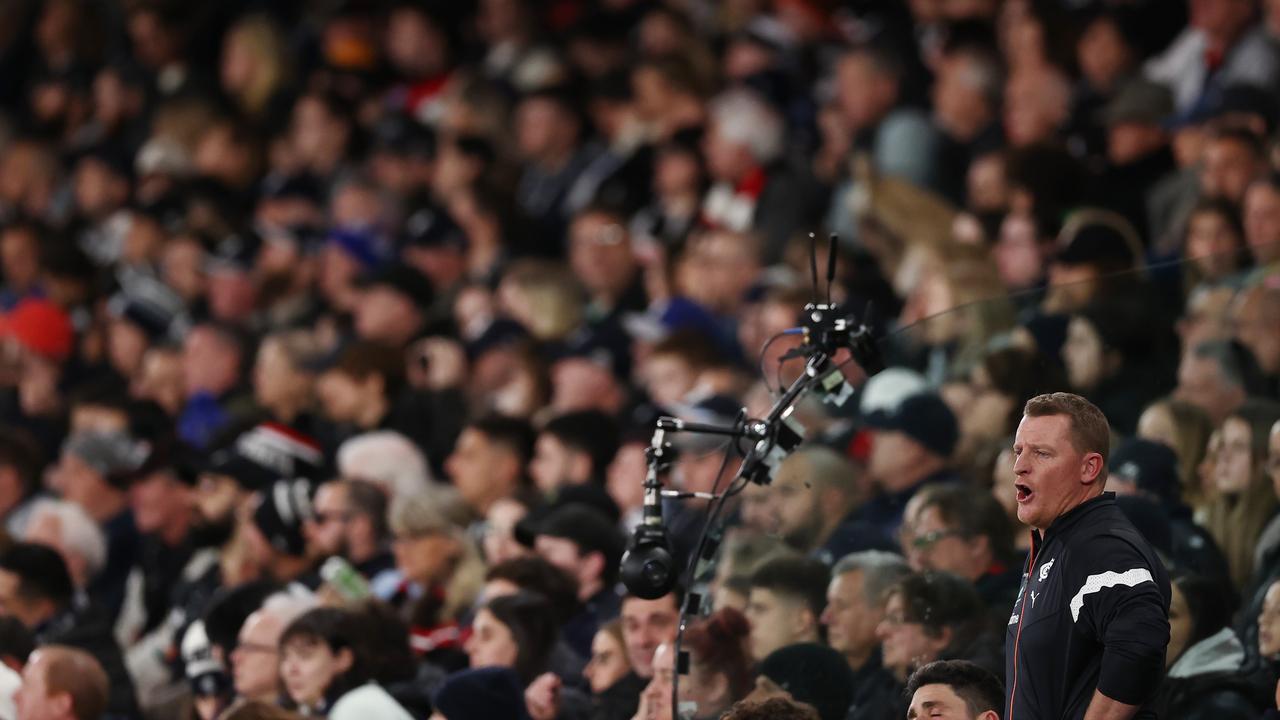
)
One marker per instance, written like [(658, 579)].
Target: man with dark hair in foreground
[(958, 689)]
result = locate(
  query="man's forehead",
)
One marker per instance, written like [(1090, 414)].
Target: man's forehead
[(639, 608), (935, 694), (1043, 428)]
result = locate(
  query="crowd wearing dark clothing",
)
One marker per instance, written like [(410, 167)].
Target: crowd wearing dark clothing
[(333, 335)]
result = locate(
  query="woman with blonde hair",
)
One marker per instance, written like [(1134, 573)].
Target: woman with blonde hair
[(952, 307), (1185, 429), (1245, 502), (254, 69)]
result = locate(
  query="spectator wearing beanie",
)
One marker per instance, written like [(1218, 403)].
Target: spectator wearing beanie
[(911, 446), (274, 534), (487, 693)]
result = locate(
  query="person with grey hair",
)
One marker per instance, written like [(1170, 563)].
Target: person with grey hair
[(754, 188), (94, 472), (813, 494), (386, 459), (855, 606), (1217, 376), (67, 528)]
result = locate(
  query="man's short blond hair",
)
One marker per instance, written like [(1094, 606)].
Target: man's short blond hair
[(1090, 432), (77, 673)]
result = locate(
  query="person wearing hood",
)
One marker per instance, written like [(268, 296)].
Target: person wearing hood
[(1205, 659)]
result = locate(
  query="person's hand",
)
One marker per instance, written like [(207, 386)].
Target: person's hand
[(542, 697)]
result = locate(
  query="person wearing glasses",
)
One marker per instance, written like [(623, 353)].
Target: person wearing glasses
[(929, 616), (967, 534)]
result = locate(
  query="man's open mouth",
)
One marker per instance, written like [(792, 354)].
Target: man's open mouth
[(1024, 492)]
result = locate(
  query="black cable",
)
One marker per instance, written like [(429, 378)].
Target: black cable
[(691, 572), (764, 349)]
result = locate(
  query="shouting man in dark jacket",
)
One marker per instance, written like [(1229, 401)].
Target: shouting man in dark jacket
[(1089, 630)]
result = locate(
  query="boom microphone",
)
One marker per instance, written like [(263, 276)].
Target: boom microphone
[(648, 569)]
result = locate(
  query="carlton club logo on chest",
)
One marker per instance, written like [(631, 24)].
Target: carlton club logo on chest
[(1033, 586)]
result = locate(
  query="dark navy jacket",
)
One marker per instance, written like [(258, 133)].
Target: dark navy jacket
[(1092, 614)]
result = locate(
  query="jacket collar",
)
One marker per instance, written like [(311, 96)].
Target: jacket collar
[(1073, 517)]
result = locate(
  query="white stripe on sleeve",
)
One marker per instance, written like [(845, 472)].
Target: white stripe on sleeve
[(1101, 581)]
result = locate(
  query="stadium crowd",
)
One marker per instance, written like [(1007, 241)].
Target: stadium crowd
[(333, 334)]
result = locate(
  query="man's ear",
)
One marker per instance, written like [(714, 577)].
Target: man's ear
[(62, 704), (344, 659), (988, 715), (1091, 469)]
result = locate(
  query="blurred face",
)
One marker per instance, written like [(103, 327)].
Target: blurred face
[(1269, 623), (427, 558), (1156, 424), (1103, 54), (757, 509), (905, 645), (892, 452), (566, 555), (676, 172), (1200, 383), (934, 545), (385, 315), (775, 622), (126, 344), (33, 700), (1229, 167), (1017, 253), (1262, 222), (1180, 625), (727, 160), (608, 663), (473, 466), (499, 538), (157, 501), (538, 128), (414, 46), (236, 71), (657, 694), (646, 624), (1052, 476), (275, 379), (851, 621), (600, 254), (341, 396), (624, 476), (1130, 141), (74, 480), (327, 533), (862, 94), (307, 666), (797, 506), (1212, 245), (491, 643), (19, 257), (160, 379), (668, 378), (1235, 459), (1002, 488), (552, 465), (208, 365), (255, 661), (1082, 354)]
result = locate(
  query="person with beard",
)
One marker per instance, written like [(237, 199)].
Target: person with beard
[(351, 523), (815, 491)]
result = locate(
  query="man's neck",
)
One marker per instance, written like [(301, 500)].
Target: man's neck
[(857, 658), (589, 589)]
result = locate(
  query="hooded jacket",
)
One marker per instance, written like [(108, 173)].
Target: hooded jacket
[(1092, 614), (1208, 682)]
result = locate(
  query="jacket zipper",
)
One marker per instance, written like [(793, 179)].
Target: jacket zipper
[(1031, 569)]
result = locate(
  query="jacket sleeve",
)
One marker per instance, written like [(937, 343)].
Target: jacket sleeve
[(1121, 601)]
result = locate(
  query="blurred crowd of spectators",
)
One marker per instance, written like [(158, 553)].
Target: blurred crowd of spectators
[(333, 332)]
